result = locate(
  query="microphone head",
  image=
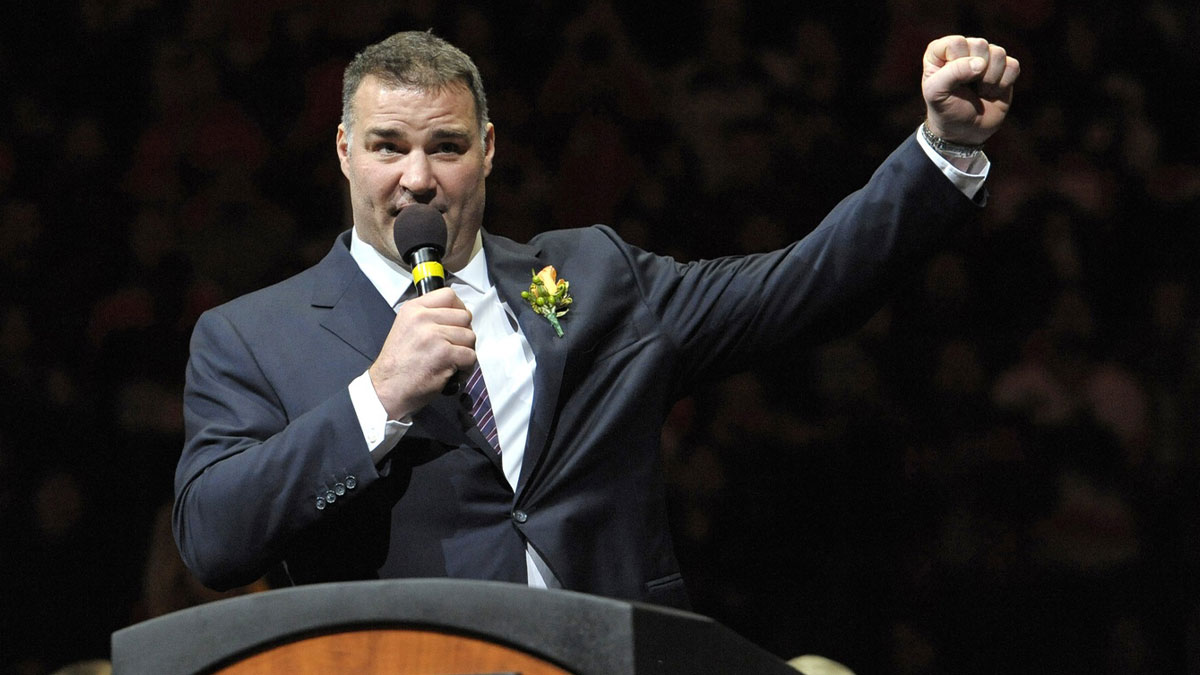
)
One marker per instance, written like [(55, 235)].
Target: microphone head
[(419, 226)]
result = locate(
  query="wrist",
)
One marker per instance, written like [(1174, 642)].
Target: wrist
[(949, 149), (395, 408)]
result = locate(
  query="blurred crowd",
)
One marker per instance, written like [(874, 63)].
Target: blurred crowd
[(999, 472)]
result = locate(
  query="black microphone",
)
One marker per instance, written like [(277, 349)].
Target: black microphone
[(420, 236)]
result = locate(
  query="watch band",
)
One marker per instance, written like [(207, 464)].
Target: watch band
[(948, 149)]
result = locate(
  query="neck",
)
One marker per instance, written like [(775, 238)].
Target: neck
[(455, 262)]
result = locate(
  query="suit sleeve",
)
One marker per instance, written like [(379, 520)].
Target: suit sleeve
[(250, 477), (730, 314)]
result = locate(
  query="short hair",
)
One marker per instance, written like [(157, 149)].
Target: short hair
[(417, 59)]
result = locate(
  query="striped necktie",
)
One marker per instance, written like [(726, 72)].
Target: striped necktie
[(481, 408)]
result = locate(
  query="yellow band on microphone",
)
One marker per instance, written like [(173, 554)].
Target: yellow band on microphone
[(429, 268)]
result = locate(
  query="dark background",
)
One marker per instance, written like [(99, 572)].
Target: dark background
[(997, 474)]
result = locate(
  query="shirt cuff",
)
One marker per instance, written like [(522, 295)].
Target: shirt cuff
[(968, 182), (380, 433)]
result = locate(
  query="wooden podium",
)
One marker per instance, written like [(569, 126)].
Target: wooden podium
[(434, 627)]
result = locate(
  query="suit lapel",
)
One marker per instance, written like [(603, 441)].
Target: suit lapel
[(359, 316), (510, 264)]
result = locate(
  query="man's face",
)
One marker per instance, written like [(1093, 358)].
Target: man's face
[(412, 146)]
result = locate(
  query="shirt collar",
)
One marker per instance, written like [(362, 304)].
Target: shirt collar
[(394, 280), (474, 273)]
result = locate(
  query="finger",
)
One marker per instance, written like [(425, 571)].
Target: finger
[(446, 316), (447, 348), (945, 49), (997, 60), (935, 53), (957, 47), (464, 359), (1012, 69), (457, 359), (954, 74), (458, 336), (453, 360), (442, 297), (1002, 90), (411, 317), (977, 47)]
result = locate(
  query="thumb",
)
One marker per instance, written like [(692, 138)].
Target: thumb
[(954, 74)]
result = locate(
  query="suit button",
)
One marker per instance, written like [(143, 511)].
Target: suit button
[(520, 516), (351, 482), (320, 504), (330, 497), (339, 488)]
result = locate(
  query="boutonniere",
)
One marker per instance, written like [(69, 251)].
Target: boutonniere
[(549, 296)]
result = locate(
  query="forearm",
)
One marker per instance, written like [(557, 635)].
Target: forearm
[(732, 313)]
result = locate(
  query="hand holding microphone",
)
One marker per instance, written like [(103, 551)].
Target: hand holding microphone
[(431, 339)]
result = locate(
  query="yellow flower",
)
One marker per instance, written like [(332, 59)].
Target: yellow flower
[(549, 277), (549, 296)]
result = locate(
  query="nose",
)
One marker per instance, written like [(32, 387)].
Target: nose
[(417, 176)]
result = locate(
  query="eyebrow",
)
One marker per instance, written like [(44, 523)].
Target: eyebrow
[(451, 134), (389, 133), (381, 132)]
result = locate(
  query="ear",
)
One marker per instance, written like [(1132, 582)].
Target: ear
[(343, 150), (489, 148)]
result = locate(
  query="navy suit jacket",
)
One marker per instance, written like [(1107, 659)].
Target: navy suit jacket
[(272, 435)]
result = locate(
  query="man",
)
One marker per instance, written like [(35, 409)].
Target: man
[(318, 435)]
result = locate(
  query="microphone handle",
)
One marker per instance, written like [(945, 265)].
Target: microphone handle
[(429, 275)]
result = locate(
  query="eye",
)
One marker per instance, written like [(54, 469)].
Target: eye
[(449, 148)]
